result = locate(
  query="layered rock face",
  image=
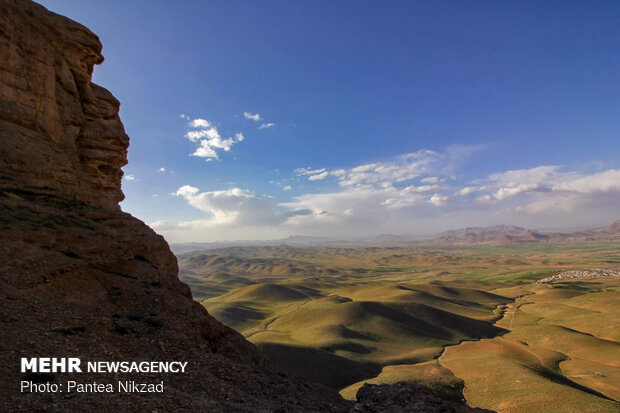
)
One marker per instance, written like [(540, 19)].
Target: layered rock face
[(60, 132), (80, 278)]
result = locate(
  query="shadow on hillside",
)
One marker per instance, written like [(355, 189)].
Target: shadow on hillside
[(318, 365)]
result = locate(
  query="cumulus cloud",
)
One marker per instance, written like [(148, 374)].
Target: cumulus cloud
[(208, 138), (287, 188), (236, 206), (252, 116), (162, 169), (438, 199), (200, 123), (266, 125), (129, 177)]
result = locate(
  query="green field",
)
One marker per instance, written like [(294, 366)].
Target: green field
[(468, 322)]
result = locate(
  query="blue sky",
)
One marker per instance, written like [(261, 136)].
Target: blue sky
[(263, 119)]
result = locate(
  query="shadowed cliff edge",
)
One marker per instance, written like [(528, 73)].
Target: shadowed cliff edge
[(81, 278)]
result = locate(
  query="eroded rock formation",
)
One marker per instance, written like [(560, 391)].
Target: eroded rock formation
[(61, 134)]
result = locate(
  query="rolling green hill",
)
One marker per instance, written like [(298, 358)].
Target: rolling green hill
[(468, 321)]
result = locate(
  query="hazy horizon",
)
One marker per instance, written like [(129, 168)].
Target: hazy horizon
[(262, 120)]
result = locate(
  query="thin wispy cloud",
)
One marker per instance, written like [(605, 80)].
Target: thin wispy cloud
[(256, 117), (308, 171), (402, 168)]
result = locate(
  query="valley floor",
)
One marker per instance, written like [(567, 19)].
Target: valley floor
[(470, 322)]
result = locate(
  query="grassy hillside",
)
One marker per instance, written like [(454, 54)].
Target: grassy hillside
[(465, 321)]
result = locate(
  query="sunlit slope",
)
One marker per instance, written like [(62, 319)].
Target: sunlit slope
[(562, 353), (373, 331), (509, 376), (355, 326), (387, 314)]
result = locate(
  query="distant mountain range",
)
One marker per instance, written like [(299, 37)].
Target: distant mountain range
[(492, 235), (496, 234), (608, 233)]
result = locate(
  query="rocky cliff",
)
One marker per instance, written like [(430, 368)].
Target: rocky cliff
[(61, 133), (80, 278)]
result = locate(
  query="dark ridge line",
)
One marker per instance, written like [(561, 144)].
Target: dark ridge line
[(565, 381)]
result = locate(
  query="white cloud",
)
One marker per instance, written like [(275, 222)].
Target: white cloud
[(200, 123), (547, 191), (607, 181), (438, 199), (236, 206), (318, 177), (513, 190), (160, 223), (358, 211), (308, 171), (210, 133), (129, 177), (412, 189), (252, 116), (186, 191), (162, 169), (546, 179), (402, 168), (468, 190), (209, 139), (410, 194), (266, 125)]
